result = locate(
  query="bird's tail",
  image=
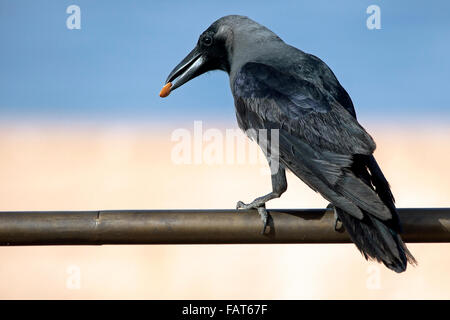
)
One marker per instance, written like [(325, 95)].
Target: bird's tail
[(377, 241)]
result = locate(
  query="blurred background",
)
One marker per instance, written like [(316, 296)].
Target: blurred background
[(82, 128)]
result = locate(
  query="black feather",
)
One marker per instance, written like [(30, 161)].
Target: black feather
[(323, 144)]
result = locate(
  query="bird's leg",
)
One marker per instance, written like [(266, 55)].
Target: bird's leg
[(279, 186), (337, 222)]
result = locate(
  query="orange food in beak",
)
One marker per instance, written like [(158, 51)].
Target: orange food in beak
[(165, 91)]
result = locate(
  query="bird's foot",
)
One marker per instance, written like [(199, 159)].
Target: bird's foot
[(338, 226), (261, 207), (258, 202)]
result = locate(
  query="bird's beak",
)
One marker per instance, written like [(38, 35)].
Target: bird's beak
[(187, 69)]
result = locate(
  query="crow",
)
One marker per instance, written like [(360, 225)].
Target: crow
[(280, 88)]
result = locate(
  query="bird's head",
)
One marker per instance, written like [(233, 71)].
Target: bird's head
[(225, 42)]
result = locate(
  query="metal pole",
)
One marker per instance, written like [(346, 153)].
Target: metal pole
[(199, 227)]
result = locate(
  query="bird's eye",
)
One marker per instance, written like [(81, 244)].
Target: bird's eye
[(207, 41)]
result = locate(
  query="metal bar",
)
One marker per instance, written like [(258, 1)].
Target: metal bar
[(199, 227)]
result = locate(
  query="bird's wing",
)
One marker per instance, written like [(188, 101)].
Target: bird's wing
[(314, 68), (318, 138), (365, 167)]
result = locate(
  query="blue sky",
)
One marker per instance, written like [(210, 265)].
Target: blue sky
[(113, 68)]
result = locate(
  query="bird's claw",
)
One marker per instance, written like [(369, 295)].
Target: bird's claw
[(252, 205), (338, 226), (241, 205), (261, 210), (264, 217)]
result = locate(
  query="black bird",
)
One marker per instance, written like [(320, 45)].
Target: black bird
[(278, 87)]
